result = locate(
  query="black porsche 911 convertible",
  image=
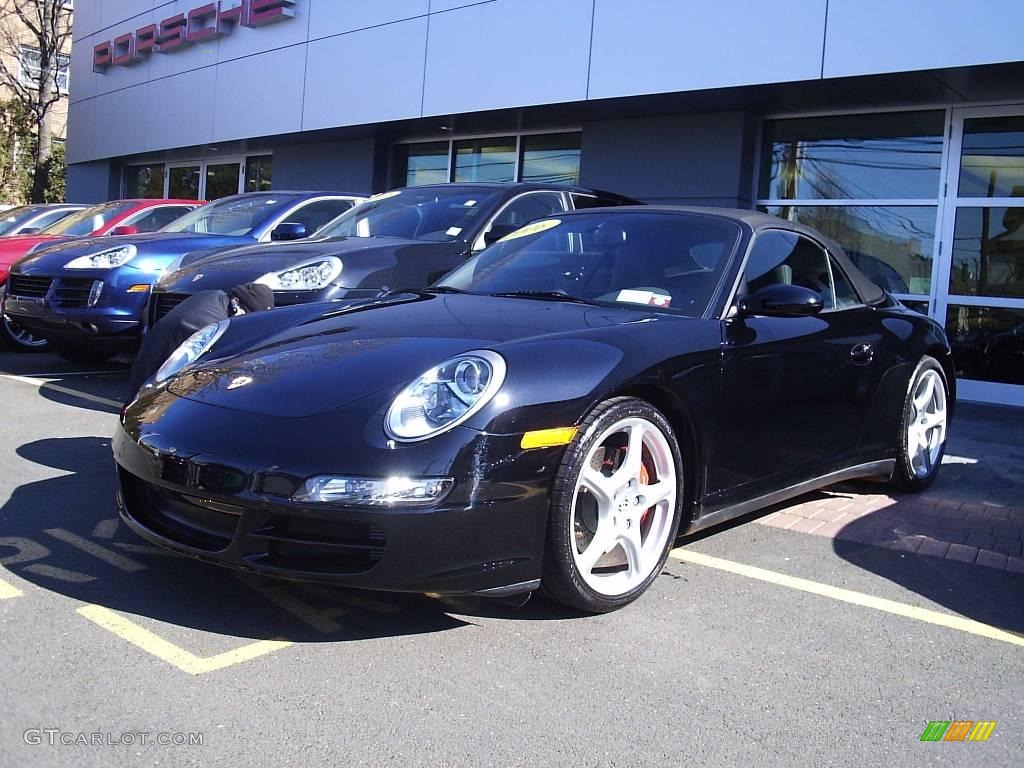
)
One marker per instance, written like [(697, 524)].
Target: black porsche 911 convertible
[(551, 414)]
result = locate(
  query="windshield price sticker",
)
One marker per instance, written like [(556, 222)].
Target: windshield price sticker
[(532, 229), (644, 297)]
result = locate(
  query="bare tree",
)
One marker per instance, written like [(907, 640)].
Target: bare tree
[(36, 33)]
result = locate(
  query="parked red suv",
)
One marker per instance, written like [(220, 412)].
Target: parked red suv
[(119, 217)]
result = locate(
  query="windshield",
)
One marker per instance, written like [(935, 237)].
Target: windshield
[(88, 221), (670, 262), (14, 217), (235, 216), (436, 214)]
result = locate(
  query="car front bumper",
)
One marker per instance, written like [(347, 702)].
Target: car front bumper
[(59, 309), (188, 490)]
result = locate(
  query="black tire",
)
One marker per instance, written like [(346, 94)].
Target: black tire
[(11, 336), (562, 581), (83, 355), (905, 478)]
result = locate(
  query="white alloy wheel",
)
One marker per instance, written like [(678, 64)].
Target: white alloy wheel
[(623, 507), (926, 425)]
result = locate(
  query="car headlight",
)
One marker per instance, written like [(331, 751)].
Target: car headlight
[(308, 276), (194, 347), (445, 396), (109, 259)]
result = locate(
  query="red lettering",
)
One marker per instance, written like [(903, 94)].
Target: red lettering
[(263, 12), (102, 55), (227, 18), (124, 50), (199, 30), (145, 41), (207, 22), (173, 34)]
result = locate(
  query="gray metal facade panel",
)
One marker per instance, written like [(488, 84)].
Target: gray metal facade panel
[(368, 62)]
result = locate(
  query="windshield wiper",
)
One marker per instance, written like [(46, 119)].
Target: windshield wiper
[(543, 295)]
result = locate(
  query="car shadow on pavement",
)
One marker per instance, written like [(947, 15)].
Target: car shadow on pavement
[(919, 551), (62, 534)]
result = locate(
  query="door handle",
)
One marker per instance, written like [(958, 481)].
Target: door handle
[(863, 353)]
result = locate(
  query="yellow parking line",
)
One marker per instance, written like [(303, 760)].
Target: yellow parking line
[(40, 384), (167, 651), (7, 591), (849, 596)]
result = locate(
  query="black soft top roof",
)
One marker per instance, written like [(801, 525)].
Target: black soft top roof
[(869, 292)]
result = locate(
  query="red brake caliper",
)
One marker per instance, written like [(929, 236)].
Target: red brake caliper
[(645, 479)]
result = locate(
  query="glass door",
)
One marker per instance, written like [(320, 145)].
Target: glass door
[(222, 179), (202, 180), (980, 295), (184, 181)]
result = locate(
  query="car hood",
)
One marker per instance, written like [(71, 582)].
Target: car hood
[(232, 266), (160, 245), (320, 357), (14, 247)]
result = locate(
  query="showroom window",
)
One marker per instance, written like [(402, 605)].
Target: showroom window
[(549, 158), (199, 179), (259, 172), (870, 182), (144, 181)]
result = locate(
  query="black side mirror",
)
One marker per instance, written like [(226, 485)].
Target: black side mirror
[(498, 231), (29, 230), (288, 230), (782, 301)]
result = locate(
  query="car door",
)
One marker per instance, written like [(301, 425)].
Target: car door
[(795, 390)]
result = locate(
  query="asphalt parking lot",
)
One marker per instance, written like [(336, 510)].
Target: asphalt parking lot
[(775, 642)]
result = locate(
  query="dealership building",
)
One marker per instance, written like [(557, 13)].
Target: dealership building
[(895, 126)]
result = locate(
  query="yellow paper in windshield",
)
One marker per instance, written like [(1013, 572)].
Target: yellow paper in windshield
[(532, 229)]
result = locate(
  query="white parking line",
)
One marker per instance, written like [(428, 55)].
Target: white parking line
[(41, 384), (94, 549)]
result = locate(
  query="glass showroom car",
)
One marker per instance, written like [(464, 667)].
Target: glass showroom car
[(406, 238), (550, 415), (87, 297), (119, 217)]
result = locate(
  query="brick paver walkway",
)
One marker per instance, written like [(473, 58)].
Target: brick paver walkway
[(973, 512)]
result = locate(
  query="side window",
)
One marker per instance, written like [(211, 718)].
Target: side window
[(51, 217), (582, 202), (314, 215), (845, 295), (789, 259), (527, 208), (157, 218)]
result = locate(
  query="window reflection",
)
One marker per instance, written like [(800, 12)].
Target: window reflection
[(485, 160), (895, 155), (417, 164), (552, 159), (144, 181), (988, 252), (992, 159), (988, 343), (892, 245)]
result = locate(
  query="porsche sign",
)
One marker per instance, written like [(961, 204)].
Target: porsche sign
[(199, 25)]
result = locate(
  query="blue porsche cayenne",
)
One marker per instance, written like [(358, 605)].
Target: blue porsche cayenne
[(88, 297)]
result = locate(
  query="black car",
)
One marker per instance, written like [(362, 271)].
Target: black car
[(550, 414), (406, 238)]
